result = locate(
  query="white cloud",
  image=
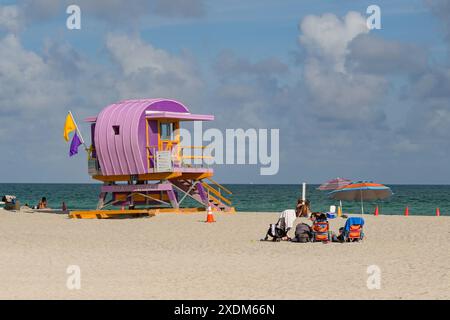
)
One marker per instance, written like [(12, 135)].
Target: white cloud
[(60, 76), (343, 97), (27, 81), (11, 18), (335, 93), (149, 71), (328, 37)]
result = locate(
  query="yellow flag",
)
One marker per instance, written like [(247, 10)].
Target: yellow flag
[(69, 127)]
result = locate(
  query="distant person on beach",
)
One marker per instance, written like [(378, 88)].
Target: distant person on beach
[(303, 208), (11, 203), (43, 203)]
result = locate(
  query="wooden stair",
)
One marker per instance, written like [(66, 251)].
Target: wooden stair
[(218, 195)]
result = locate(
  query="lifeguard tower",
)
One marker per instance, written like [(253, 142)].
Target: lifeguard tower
[(137, 154)]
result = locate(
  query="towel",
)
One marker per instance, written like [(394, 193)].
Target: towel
[(289, 217), (353, 221)]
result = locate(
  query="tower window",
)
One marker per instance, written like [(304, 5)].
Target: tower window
[(116, 130), (166, 131)]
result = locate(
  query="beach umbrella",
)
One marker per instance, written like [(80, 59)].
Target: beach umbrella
[(361, 191), (334, 184)]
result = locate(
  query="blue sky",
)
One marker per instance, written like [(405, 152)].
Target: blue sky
[(348, 102)]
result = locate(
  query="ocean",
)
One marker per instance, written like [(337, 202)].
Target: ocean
[(420, 199)]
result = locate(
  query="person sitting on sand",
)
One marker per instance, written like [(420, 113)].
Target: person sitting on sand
[(303, 208), (303, 233), (340, 237), (43, 203)]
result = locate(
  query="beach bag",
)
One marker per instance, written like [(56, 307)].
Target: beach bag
[(278, 230)]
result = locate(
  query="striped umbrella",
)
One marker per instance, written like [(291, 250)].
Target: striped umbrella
[(334, 184), (361, 191)]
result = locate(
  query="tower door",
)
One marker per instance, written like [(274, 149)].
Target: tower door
[(169, 138)]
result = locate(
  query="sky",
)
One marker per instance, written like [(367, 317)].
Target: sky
[(348, 101)]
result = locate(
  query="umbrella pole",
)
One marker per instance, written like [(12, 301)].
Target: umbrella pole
[(362, 203), (303, 192)]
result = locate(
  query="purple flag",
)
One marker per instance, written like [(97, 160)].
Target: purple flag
[(74, 145)]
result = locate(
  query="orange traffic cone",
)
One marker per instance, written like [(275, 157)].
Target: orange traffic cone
[(376, 211), (209, 215), (438, 212), (407, 211)]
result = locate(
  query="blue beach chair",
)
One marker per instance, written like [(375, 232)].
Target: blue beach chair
[(353, 230)]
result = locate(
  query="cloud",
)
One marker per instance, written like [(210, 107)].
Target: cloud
[(441, 8), (40, 82), (11, 18), (327, 37), (148, 71), (336, 93), (374, 55), (433, 83), (27, 82), (428, 120), (248, 92), (344, 97)]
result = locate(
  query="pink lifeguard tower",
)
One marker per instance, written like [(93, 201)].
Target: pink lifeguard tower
[(137, 154)]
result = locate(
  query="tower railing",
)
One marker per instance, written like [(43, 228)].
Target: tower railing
[(190, 160)]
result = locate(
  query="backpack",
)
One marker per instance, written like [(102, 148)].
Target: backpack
[(278, 230)]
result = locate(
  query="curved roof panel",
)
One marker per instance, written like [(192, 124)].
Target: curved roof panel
[(120, 134)]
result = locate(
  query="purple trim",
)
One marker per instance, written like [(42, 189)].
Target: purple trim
[(179, 116), (202, 193), (172, 197), (137, 188), (90, 119), (169, 105), (194, 170), (94, 153), (153, 137)]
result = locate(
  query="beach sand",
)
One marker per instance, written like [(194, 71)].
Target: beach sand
[(180, 257)]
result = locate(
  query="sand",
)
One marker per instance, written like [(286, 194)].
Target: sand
[(180, 257)]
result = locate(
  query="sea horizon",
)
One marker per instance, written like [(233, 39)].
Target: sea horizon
[(421, 199)]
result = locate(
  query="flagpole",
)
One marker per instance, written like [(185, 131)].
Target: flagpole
[(78, 131)]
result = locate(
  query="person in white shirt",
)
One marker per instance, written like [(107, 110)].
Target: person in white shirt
[(289, 217)]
